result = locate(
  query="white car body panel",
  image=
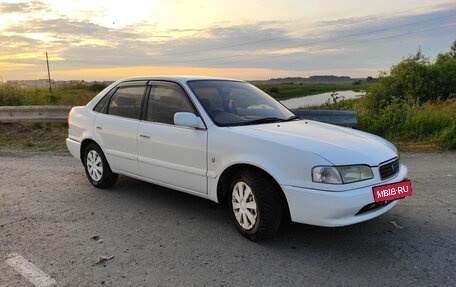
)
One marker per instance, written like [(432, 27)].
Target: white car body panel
[(118, 137), (192, 160), (173, 155)]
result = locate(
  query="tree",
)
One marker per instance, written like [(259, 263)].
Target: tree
[(97, 87), (445, 73), (415, 80), (452, 52), (447, 56)]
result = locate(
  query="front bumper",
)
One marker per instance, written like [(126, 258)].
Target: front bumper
[(331, 209)]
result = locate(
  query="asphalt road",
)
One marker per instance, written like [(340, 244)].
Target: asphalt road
[(138, 234)]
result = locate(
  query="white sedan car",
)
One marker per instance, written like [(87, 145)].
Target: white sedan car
[(229, 142)]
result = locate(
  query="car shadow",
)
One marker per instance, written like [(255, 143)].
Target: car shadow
[(179, 223), (293, 235)]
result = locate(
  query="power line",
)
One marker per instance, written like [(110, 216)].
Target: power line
[(313, 44), (278, 56), (332, 40)]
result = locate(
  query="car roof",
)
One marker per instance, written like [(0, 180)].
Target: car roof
[(174, 78), (181, 79)]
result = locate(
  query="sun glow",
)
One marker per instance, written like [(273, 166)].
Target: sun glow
[(21, 56), (43, 37), (115, 73), (8, 66)]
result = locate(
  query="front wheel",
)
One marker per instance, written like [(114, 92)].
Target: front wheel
[(254, 205), (97, 168)]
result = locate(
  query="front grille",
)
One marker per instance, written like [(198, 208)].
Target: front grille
[(389, 169)]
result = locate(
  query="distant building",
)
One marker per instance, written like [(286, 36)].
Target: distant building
[(44, 83), (67, 83), (40, 83)]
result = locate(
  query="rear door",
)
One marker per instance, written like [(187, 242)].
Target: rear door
[(168, 154), (116, 127)]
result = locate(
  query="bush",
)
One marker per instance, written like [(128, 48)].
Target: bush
[(416, 102), (10, 96), (447, 137), (415, 80), (430, 123), (74, 95), (97, 87), (274, 90)]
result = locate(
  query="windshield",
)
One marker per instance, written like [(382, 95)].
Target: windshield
[(232, 103)]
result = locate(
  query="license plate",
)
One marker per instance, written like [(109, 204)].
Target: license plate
[(392, 191)]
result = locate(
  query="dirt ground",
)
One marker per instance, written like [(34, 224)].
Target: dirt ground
[(139, 234)]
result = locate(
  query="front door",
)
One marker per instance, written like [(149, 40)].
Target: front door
[(171, 155)]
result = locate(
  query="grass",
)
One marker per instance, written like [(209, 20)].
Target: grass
[(11, 96), (411, 127), (29, 139)]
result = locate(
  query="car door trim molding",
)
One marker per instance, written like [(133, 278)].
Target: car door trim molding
[(178, 167), (121, 154)]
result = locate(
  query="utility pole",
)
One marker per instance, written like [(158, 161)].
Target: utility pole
[(49, 73)]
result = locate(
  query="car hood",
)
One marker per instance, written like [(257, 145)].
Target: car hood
[(338, 145)]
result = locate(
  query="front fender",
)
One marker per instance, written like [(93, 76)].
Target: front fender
[(287, 165)]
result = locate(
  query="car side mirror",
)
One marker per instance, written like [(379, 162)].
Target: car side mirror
[(189, 120)]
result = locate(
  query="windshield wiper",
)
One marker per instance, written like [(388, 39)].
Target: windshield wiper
[(264, 121), (292, 118), (270, 120)]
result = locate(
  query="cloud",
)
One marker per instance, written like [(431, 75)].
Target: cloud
[(23, 7), (62, 26), (337, 42), (357, 42), (380, 27), (352, 43)]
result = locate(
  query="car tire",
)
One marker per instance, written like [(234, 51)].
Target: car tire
[(254, 204), (97, 168)]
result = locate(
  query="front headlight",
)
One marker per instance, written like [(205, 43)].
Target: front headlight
[(354, 173), (341, 174), (326, 174)]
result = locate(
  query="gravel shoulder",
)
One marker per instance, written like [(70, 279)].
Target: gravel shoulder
[(139, 234)]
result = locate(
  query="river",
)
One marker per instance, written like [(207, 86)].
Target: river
[(317, 100)]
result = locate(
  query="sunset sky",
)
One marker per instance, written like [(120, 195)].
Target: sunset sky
[(248, 39)]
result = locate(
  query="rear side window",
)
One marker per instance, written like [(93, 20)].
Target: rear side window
[(126, 102), (102, 105)]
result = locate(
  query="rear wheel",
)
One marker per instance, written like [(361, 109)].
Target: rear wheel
[(97, 168), (254, 205)]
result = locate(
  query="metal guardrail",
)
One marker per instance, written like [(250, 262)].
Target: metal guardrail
[(17, 114), (335, 117)]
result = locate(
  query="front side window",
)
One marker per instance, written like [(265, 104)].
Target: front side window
[(166, 100), (126, 102)]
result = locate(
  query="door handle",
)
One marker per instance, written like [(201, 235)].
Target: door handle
[(99, 127), (144, 137)]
